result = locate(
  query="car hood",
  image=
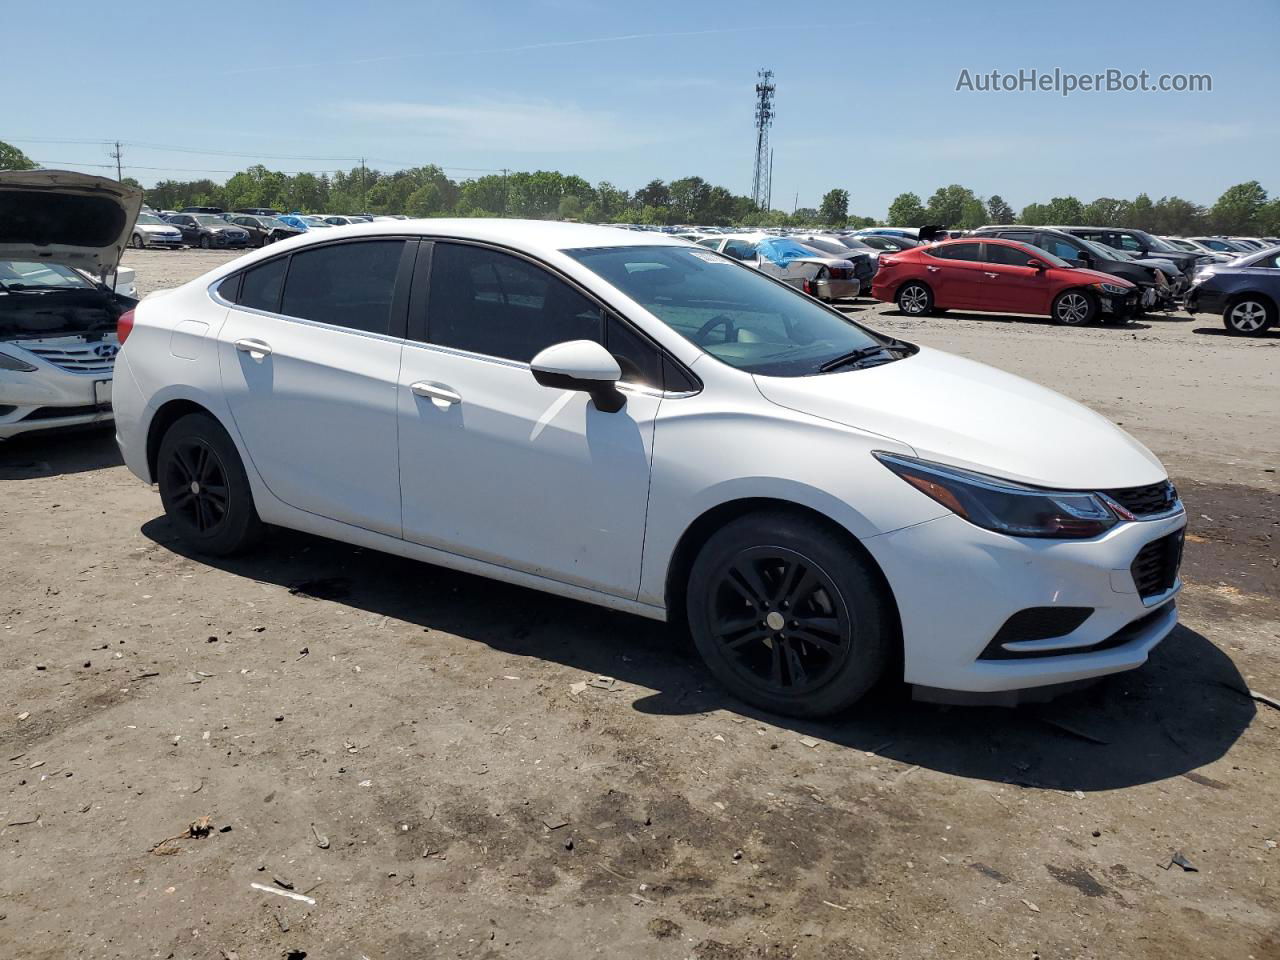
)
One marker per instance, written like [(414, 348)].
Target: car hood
[(65, 217), (1097, 276), (960, 412)]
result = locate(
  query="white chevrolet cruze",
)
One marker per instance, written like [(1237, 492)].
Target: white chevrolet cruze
[(635, 422)]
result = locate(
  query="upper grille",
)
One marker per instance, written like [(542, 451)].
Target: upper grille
[(78, 357), (1153, 499), (1155, 568)]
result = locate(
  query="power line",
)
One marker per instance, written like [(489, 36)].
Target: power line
[(173, 148)]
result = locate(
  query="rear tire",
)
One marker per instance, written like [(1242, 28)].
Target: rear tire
[(1249, 316), (137, 242), (915, 299), (204, 488), (1074, 308), (789, 616)]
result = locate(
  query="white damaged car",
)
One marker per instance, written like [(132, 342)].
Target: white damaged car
[(61, 237)]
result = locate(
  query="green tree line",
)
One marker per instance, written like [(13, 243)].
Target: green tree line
[(426, 191), (1242, 210)]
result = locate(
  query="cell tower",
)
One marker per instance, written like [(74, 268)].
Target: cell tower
[(762, 179)]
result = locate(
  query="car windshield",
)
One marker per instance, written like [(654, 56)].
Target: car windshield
[(16, 275), (271, 223), (1099, 250), (149, 219), (209, 219), (733, 312), (1185, 245), (1155, 243)]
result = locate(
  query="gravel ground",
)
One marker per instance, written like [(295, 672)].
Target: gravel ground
[(406, 745)]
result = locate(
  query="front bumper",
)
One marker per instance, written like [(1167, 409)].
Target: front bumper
[(1203, 299), (50, 396), (956, 585), (1117, 305), (160, 240)]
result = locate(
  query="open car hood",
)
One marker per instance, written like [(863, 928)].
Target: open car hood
[(65, 217)]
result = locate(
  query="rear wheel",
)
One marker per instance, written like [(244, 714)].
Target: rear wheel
[(204, 488), (137, 242), (788, 616), (1074, 308), (915, 299), (1249, 316)]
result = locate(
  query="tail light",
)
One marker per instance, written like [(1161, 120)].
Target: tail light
[(808, 287), (124, 326)]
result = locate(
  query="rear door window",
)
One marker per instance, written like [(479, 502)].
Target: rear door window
[(958, 251), (260, 289), (344, 284)]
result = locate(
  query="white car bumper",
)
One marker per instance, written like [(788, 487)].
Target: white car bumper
[(957, 585), (70, 385)]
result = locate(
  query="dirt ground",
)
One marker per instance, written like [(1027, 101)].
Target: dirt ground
[(406, 746)]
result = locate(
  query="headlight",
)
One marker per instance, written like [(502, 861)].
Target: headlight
[(1112, 288), (1202, 276), (1004, 506), (13, 363)]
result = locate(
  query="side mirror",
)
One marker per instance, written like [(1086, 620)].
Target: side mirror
[(1035, 264), (581, 365), (1085, 257)]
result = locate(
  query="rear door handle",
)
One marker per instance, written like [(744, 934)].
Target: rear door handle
[(933, 269), (436, 391), (990, 274), (254, 348)]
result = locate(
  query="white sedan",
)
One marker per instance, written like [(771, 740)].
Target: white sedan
[(627, 420)]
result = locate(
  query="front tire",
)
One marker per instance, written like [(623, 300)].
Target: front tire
[(789, 616), (204, 243), (137, 242), (1249, 317), (204, 488), (915, 299), (1074, 308)]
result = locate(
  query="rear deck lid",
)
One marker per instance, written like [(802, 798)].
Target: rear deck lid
[(65, 217)]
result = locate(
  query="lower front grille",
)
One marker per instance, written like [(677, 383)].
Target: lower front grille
[(1155, 568)]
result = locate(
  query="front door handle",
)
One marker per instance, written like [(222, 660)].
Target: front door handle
[(254, 348), (436, 392), (933, 269)]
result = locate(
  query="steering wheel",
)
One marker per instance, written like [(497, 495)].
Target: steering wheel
[(720, 320)]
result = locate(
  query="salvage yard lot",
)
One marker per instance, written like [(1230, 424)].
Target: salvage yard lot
[(422, 753)]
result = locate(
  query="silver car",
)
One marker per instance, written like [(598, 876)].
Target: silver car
[(150, 231)]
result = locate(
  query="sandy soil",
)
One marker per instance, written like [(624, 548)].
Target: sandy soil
[(404, 746)]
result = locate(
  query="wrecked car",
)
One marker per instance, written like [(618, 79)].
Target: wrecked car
[(61, 237)]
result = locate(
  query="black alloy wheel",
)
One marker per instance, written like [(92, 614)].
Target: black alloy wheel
[(790, 614), (204, 488), (781, 621)]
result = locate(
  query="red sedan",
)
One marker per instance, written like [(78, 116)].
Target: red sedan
[(1001, 276)]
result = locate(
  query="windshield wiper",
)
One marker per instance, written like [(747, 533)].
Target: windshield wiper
[(857, 356)]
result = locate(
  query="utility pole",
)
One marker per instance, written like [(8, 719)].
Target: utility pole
[(504, 191), (116, 156), (363, 204), (796, 205)]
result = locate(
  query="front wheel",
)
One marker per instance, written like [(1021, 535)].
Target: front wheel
[(789, 616), (137, 242), (204, 243), (204, 488), (1074, 308), (915, 299), (1249, 317)]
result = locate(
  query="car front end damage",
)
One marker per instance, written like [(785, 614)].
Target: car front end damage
[(1066, 611)]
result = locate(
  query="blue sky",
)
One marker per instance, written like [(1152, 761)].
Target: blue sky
[(866, 92)]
